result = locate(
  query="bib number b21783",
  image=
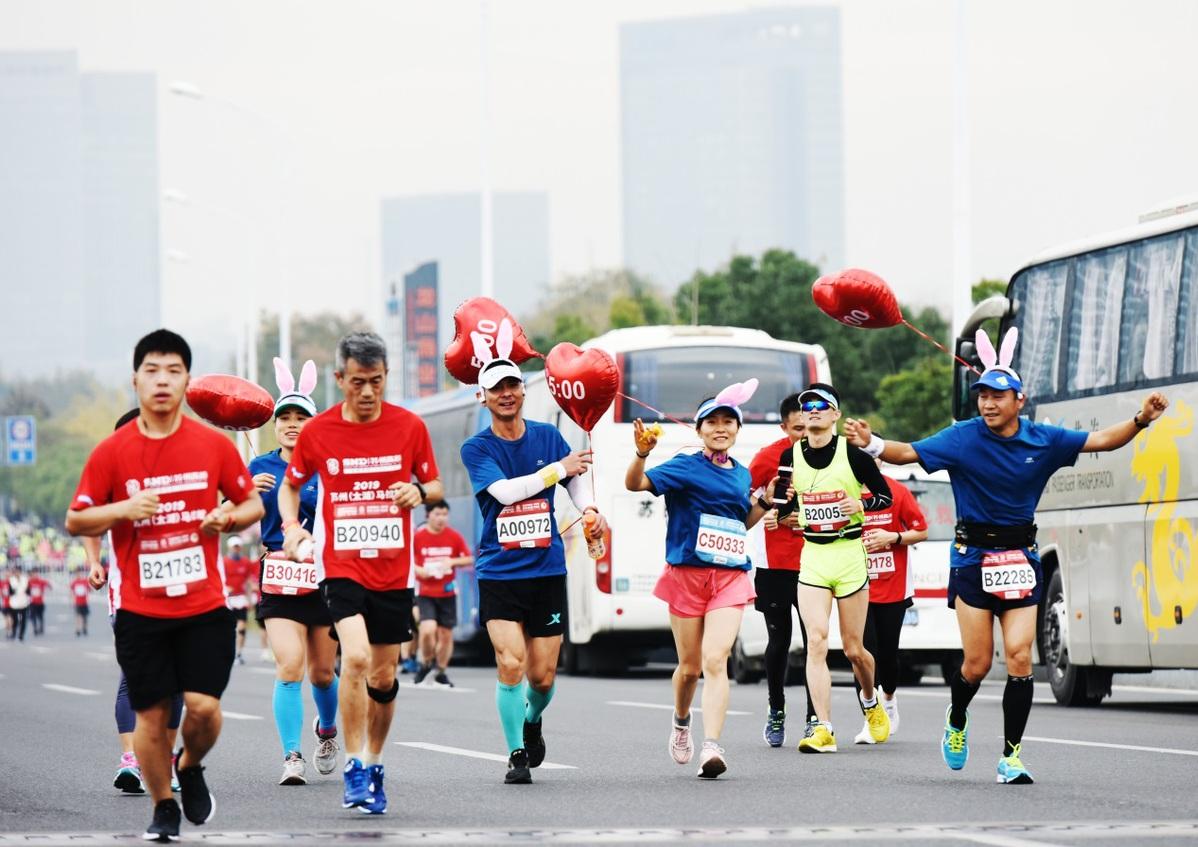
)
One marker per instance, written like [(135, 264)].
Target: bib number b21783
[(721, 541), (525, 524), (170, 565), (1008, 574)]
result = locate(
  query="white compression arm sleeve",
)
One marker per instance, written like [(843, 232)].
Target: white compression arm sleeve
[(509, 491), (580, 493)]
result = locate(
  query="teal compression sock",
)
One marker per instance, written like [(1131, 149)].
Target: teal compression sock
[(288, 704), (509, 701), (537, 701), (326, 704)]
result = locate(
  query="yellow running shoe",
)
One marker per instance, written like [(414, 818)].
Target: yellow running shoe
[(818, 738), (879, 723)]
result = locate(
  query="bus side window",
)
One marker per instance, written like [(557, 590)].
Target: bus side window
[(1187, 332), (1042, 290), (1149, 324), (1093, 347)]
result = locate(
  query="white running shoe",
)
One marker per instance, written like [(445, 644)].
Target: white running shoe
[(327, 749), (711, 760), (682, 745), (863, 737), (891, 707), (293, 770)]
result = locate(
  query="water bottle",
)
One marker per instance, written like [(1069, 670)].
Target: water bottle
[(596, 549)]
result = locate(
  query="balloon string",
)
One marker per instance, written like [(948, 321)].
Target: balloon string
[(594, 496), (920, 332), (651, 409)]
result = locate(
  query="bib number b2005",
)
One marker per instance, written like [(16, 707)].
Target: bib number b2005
[(1008, 574), (820, 511)]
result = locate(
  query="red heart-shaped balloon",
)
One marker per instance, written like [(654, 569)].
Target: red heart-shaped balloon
[(482, 315), (856, 297), (583, 382), (230, 402)]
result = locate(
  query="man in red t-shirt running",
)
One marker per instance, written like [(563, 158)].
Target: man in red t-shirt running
[(38, 586), (376, 464), (237, 577), (79, 590), (156, 484), (439, 550), (777, 578)]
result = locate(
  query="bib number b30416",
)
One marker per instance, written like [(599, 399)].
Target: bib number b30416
[(280, 575)]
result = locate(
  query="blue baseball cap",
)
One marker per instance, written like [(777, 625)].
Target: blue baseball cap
[(1000, 379), (709, 407)]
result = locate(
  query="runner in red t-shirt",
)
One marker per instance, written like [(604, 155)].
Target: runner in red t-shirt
[(79, 590), (156, 483), (38, 586), (237, 577), (888, 533), (439, 549), (777, 579), (376, 464)]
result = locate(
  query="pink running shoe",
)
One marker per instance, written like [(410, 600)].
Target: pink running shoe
[(682, 746), (128, 776), (711, 760)]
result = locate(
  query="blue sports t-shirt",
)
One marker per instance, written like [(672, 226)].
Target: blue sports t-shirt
[(700, 495), (489, 458), (998, 480), (272, 524)]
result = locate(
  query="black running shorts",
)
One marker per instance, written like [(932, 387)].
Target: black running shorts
[(443, 610), (539, 603), (161, 657), (388, 614), (308, 609), (966, 583), (776, 589)]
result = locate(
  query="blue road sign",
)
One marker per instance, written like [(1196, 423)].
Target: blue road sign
[(20, 440)]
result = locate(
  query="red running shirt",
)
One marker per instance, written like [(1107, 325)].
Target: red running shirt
[(237, 571), (168, 567), (890, 580), (79, 590), (37, 591), (431, 546), (359, 533), (783, 545)]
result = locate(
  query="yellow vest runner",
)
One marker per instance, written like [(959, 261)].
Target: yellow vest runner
[(830, 559)]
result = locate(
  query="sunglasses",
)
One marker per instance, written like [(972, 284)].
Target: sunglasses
[(816, 405)]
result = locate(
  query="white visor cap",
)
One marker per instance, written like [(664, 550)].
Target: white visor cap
[(497, 371)]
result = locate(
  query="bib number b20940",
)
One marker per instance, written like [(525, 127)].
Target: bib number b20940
[(367, 529), (721, 541), (1008, 574)]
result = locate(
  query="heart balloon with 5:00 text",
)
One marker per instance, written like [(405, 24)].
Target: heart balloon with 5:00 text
[(483, 316), (856, 297), (583, 382)]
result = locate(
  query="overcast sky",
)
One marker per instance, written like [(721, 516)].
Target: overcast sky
[(1082, 115)]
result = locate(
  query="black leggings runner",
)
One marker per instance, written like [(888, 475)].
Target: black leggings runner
[(883, 626), (780, 630)]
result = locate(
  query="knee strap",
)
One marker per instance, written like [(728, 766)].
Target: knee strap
[(379, 696)]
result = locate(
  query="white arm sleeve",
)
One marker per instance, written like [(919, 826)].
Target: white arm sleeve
[(580, 493), (509, 491)]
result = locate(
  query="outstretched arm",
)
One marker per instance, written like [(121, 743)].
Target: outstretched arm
[(895, 452), (1116, 436)]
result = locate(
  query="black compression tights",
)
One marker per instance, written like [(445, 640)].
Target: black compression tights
[(883, 626), (779, 628)]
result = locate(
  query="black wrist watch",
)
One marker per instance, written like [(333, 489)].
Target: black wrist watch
[(765, 504), (898, 536), (1140, 424), (420, 488)]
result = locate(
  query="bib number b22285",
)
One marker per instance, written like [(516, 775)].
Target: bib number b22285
[(1008, 574)]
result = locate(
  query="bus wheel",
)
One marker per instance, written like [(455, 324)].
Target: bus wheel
[(1071, 685)]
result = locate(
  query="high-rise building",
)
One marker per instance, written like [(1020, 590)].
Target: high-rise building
[(444, 228), (79, 258), (732, 139)]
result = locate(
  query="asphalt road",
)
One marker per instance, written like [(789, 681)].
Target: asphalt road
[(1121, 773)]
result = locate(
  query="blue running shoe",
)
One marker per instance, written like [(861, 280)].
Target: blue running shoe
[(357, 785), (377, 805), (954, 749), (1011, 770), (774, 732), (409, 665)]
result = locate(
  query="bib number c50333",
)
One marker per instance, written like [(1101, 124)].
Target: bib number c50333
[(721, 541)]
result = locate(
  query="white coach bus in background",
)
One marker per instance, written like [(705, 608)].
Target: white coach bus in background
[(613, 620), (1102, 323)]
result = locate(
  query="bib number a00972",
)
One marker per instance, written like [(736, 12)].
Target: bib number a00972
[(367, 528), (280, 575), (880, 564), (819, 511), (171, 565), (721, 541), (528, 523), (1008, 574)]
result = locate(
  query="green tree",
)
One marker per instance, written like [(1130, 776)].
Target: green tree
[(313, 336), (917, 401), (984, 288)]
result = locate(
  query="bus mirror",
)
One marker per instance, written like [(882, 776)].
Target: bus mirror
[(963, 378)]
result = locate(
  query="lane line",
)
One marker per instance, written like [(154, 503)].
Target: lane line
[(636, 705), (1001, 840), (1148, 689), (1170, 750), (240, 716), (69, 689), (101, 657), (411, 686), (475, 754)]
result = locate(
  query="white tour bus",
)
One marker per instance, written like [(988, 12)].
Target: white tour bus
[(613, 618), (1102, 323)]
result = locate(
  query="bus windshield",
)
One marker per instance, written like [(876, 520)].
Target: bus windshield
[(935, 498), (675, 380)]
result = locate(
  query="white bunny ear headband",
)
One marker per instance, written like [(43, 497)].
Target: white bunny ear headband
[(998, 373), (731, 398), (291, 395), (495, 367)]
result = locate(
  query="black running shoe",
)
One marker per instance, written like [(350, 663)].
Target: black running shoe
[(424, 671), (517, 769), (198, 803), (534, 743), (165, 826)]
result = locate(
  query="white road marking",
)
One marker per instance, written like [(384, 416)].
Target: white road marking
[(637, 705), (240, 716), (1170, 750), (1148, 689), (475, 754), (944, 695), (1001, 840), (68, 689), (102, 657), (411, 686)]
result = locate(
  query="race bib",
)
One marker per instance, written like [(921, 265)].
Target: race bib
[(437, 568), (820, 511), (170, 565), (525, 524), (1008, 574), (280, 575), (721, 541), (367, 528), (236, 601), (880, 564)]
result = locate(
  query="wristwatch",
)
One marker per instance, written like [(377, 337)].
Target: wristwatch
[(1140, 424), (420, 488)]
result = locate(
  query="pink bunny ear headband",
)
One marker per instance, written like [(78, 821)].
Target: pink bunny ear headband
[(291, 395), (730, 398), (496, 367), (998, 374)]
